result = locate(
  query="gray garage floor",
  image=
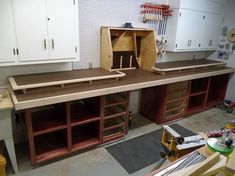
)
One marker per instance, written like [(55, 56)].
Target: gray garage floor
[(98, 162)]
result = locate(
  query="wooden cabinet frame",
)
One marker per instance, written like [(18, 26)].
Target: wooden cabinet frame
[(199, 94), (58, 129)]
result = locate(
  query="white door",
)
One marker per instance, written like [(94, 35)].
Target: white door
[(62, 28), (31, 29), (7, 33), (211, 30), (190, 26)]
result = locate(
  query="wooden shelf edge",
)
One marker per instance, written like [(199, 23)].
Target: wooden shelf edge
[(115, 115), (93, 119), (51, 154), (114, 126), (117, 103), (49, 130), (85, 144), (198, 93), (181, 107), (176, 99), (113, 136)]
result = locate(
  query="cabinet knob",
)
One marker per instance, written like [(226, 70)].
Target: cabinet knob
[(14, 51)]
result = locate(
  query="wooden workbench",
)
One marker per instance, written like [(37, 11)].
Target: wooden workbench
[(134, 79), (75, 116)]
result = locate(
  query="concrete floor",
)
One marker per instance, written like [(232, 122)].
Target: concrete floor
[(98, 162)]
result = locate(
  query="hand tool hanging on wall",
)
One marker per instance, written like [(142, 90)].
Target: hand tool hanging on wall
[(156, 15)]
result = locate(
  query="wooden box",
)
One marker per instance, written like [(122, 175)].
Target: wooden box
[(127, 48)]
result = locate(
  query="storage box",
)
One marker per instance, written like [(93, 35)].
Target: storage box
[(2, 166)]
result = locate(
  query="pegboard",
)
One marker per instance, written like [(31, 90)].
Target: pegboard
[(94, 14)]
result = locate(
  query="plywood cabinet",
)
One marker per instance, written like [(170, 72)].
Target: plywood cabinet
[(8, 44)]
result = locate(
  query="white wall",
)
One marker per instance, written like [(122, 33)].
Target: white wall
[(229, 20)]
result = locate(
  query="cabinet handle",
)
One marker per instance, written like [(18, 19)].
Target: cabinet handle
[(53, 44), (210, 43), (14, 51), (45, 44), (189, 42), (17, 51)]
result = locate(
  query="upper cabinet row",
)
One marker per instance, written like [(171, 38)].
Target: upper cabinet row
[(194, 26), (38, 31)]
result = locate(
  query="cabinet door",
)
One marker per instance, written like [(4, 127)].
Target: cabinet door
[(7, 33), (211, 30), (62, 28), (189, 33), (31, 29)]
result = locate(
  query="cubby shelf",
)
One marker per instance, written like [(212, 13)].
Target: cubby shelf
[(59, 129), (48, 120), (169, 102)]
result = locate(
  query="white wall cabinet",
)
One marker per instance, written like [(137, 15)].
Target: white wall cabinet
[(212, 28), (8, 45), (46, 31), (31, 29), (191, 28), (62, 28)]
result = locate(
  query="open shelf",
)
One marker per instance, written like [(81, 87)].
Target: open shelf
[(177, 103), (114, 111), (177, 91), (49, 119), (85, 111), (196, 102), (50, 145), (153, 103), (199, 86), (217, 89), (114, 133), (174, 113), (114, 122), (116, 99), (85, 135)]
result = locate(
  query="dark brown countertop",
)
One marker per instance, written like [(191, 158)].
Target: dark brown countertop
[(134, 79)]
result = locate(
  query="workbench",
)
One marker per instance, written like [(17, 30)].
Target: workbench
[(64, 119)]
